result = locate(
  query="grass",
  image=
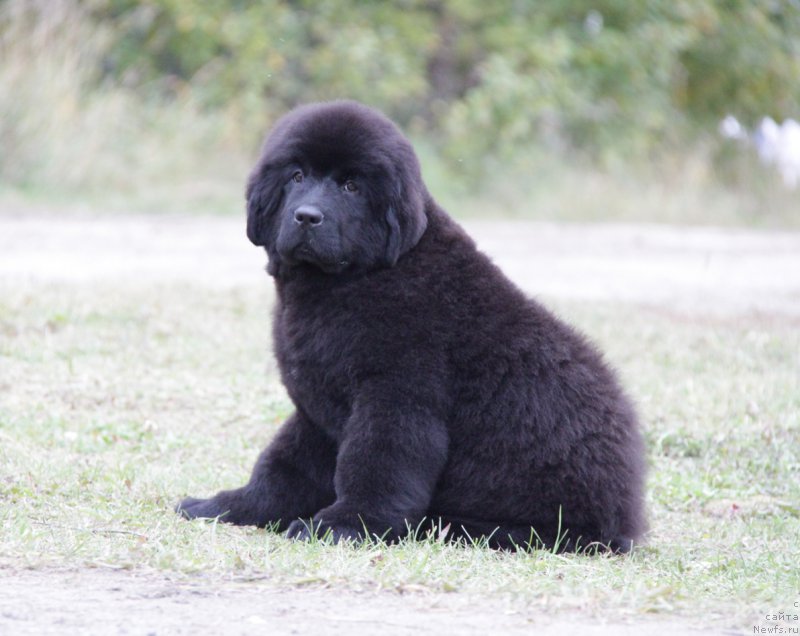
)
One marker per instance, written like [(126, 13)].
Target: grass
[(682, 188), (69, 135), (116, 402)]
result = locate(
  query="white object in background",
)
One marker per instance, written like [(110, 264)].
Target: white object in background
[(780, 146)]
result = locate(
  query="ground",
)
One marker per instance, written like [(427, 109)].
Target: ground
[(694, 274), (699, 270), (104, 602)]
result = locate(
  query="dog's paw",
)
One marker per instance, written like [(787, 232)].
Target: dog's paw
[(192, 508), (308, 529)]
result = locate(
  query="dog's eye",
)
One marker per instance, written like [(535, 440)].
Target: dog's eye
[(350, 186), (297, 177)]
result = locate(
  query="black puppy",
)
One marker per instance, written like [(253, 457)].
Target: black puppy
[(428, 390)]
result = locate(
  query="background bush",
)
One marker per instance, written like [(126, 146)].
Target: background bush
[(116, 94)]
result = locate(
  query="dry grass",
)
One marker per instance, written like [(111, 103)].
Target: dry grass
[(65, 134)]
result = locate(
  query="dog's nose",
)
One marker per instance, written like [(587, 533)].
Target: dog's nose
[(308, 215)]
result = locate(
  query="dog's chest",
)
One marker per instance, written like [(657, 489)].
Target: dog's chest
[(315, 363)]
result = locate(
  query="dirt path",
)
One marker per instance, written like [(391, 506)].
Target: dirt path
[(692, 270), (700, 270), (87, 602)]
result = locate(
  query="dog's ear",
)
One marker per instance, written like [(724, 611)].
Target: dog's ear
[(405, 213), (264, 195)]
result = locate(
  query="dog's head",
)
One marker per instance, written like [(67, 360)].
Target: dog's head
[(337, 187)]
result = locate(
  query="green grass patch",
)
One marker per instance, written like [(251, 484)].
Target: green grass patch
[(116, 402)]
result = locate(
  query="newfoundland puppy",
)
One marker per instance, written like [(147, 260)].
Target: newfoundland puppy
[(429, 392)]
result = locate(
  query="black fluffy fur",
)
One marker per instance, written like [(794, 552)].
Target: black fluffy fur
[(429, 391)]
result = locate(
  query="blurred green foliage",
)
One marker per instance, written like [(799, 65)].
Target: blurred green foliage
[(610, 77), (172, 97)]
